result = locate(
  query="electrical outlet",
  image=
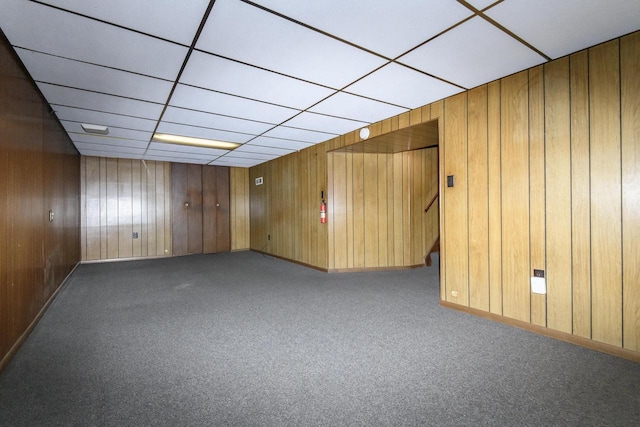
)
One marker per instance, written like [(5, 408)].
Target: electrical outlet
[(268, 236), (135, 234), (538, 273), (454, 294)]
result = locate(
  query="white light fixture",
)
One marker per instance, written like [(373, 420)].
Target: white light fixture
[(364, 133), (194, 142), (95, 129)]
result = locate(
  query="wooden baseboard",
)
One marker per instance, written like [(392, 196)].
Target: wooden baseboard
[(16, 346), (562, 336)]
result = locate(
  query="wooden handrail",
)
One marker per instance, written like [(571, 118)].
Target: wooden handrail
[(431, 202)]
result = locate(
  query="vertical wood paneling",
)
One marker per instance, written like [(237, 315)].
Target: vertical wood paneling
[(125, 211), (455, 218), (239, 183), (580, 194), (398, 213), (558, 196), (339, 217), (537, 188), (91, 203), (39, 172), (370, 194), (113, 236), (515, 197), (477, 160), (152, 244), (382, 210), (358, 211), (417, 203), (136, 208), (495, 196), (630, 82), (437, 113), (606, 210)]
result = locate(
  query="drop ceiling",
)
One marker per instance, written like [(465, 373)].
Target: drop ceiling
[(278, 76)]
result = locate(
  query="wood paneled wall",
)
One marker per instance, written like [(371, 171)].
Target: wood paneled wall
[(39, 173), (123, 196), (120, 197), (547, 176), (549, 179), (375, 204)]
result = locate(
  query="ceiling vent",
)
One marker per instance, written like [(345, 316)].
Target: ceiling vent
[(95, 129)]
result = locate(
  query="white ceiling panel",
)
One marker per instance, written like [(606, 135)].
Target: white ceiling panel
[(176, 159), (109, 148), (357, 108), (99, 102), (280, 143), (474, 53), (214, 121), (219, 103), (211, 72), (235, 154), (185, 149), (481, 4), (180, 155), (363, 21), (199, 132), (107, 140), (104, 119), (240, 31), (80, 75), (235, 162), (172, 20), (248, 148), (402, 86), (76, 37), (327, 124), (303, 135), (558, 28), (111, 154), (114, 132)]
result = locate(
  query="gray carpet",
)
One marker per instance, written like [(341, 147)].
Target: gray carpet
[(243, 339)]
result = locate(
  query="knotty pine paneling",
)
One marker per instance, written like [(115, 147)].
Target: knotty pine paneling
[(630, 82), (122, 196), (39, 173)]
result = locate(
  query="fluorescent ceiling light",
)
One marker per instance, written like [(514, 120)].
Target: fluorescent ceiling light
[(95, 129), (196, 142)]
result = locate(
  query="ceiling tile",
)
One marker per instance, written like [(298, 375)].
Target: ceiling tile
[(356, 108), (110, 154), (51, 69), (200, 132), (176, 159), (403, 86), (107, 140), (558, 28), (474, 53), (188, 151), (76, 37), (104, 119), (172, 20), (280, 143), (109, 148), (286, 132), (250, 156), (99, 102), (369, 23), (481, 4), (322, 123), (240, 31), (114, 132), (235, 162), (248, 148), (214, 121), (212, 72), (218, 103)]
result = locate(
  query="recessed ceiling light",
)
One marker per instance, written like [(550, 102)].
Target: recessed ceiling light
[(95, 129), (364, 133), (196, 142)]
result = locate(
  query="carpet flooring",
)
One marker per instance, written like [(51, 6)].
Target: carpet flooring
[(248, 340)]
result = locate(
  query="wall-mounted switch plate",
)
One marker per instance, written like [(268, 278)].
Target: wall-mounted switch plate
[(450, 181), (538, 273), (135, 234), (259, 180)]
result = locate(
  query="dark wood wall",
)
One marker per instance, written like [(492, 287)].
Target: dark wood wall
[(39, 173)]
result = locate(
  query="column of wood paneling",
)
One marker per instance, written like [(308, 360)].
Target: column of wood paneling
[(455, 217), (606, 209), (416, 209), (558, 195), (91, 202), (630, 82), (537, 188), (437, 113), (239, 178), (494, 158), (136, 208), (125, 211), (382, 209), (580, 194), (152, 240), (515, 197), (370, 212), (113, 235), (477, 159)]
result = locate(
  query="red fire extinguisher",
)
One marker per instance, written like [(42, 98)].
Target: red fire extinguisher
[(323, 209)]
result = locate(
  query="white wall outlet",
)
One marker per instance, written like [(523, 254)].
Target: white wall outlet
[(538, 285), (454, 294), (259, 180)]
